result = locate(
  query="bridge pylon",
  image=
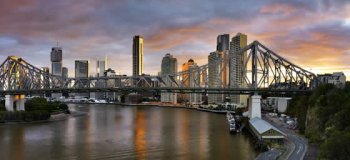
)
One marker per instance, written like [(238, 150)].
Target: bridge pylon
[(14, 102), (254, 109)]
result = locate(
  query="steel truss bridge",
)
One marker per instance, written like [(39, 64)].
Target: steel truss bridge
[(262, 70)]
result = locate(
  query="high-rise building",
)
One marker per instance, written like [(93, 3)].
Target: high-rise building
[(223, 42), (191, 78), (100, 68), (237, 69), (218, 74), (46, 79), (82, 71), (56, 61), (81, 68), (111, 83), (56, 65), (169, 66), (64, 72), (65, 76), (137, 55)]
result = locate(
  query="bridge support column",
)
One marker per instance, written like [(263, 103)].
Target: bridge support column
[(9, 99), (174, 97), (20, 102), (14, 102), (255, 106)]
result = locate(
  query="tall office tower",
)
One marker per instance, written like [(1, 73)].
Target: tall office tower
[(169, 67), (223, 42), (137, 55), (81, 68), (237, 69), (64, 72), (65, 76), (46, 79), (100, 68), (218, 74), (191, 78), (111, 83), (56, 61), (56, 65), (82, 71)]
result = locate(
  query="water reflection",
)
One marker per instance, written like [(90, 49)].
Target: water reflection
[(140, 144), (203, 136), (116, 132), (16, 144)]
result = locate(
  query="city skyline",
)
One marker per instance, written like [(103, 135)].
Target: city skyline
[(296, 30)]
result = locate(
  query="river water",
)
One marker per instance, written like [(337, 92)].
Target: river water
[(126, 132)]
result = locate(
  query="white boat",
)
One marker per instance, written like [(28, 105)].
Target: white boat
[(229, 106), (231, 122), (229, 115), (232, 127)]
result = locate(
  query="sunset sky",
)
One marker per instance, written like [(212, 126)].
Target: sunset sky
[(315, 34)]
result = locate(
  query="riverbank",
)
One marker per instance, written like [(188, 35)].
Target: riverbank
[(158, 104), (213, 111), (178, 106), (53, 118)]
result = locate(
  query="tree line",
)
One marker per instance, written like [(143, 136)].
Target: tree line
[(324, 118)]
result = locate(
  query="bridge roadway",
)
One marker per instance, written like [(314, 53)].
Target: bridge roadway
[(159, 90)]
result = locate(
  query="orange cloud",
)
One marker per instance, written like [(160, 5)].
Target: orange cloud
[(170, 37)]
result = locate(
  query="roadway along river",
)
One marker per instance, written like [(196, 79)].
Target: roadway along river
[(116, 132)]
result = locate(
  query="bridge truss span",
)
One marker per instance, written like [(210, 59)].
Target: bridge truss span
[(260, 70), (269, 70)]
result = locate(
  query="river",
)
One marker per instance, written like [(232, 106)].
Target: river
[(126, 132)]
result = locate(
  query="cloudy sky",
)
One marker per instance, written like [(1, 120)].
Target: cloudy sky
[(314, 34)]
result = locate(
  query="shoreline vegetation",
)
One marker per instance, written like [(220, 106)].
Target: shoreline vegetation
[(323, 117), (36, 109)]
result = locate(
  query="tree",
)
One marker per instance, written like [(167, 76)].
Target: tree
[(35, 103), (336, 147)]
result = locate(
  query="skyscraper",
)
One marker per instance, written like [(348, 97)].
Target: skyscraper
[(64, 72), (169, 66), (218, 74), (191, 78), (111, 83), (237, 69), (82, 71), (56, 65), (81, 68), (65, 76), (100, 68), (223, 42), (137, 55), (46, 79), (56, 61)]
